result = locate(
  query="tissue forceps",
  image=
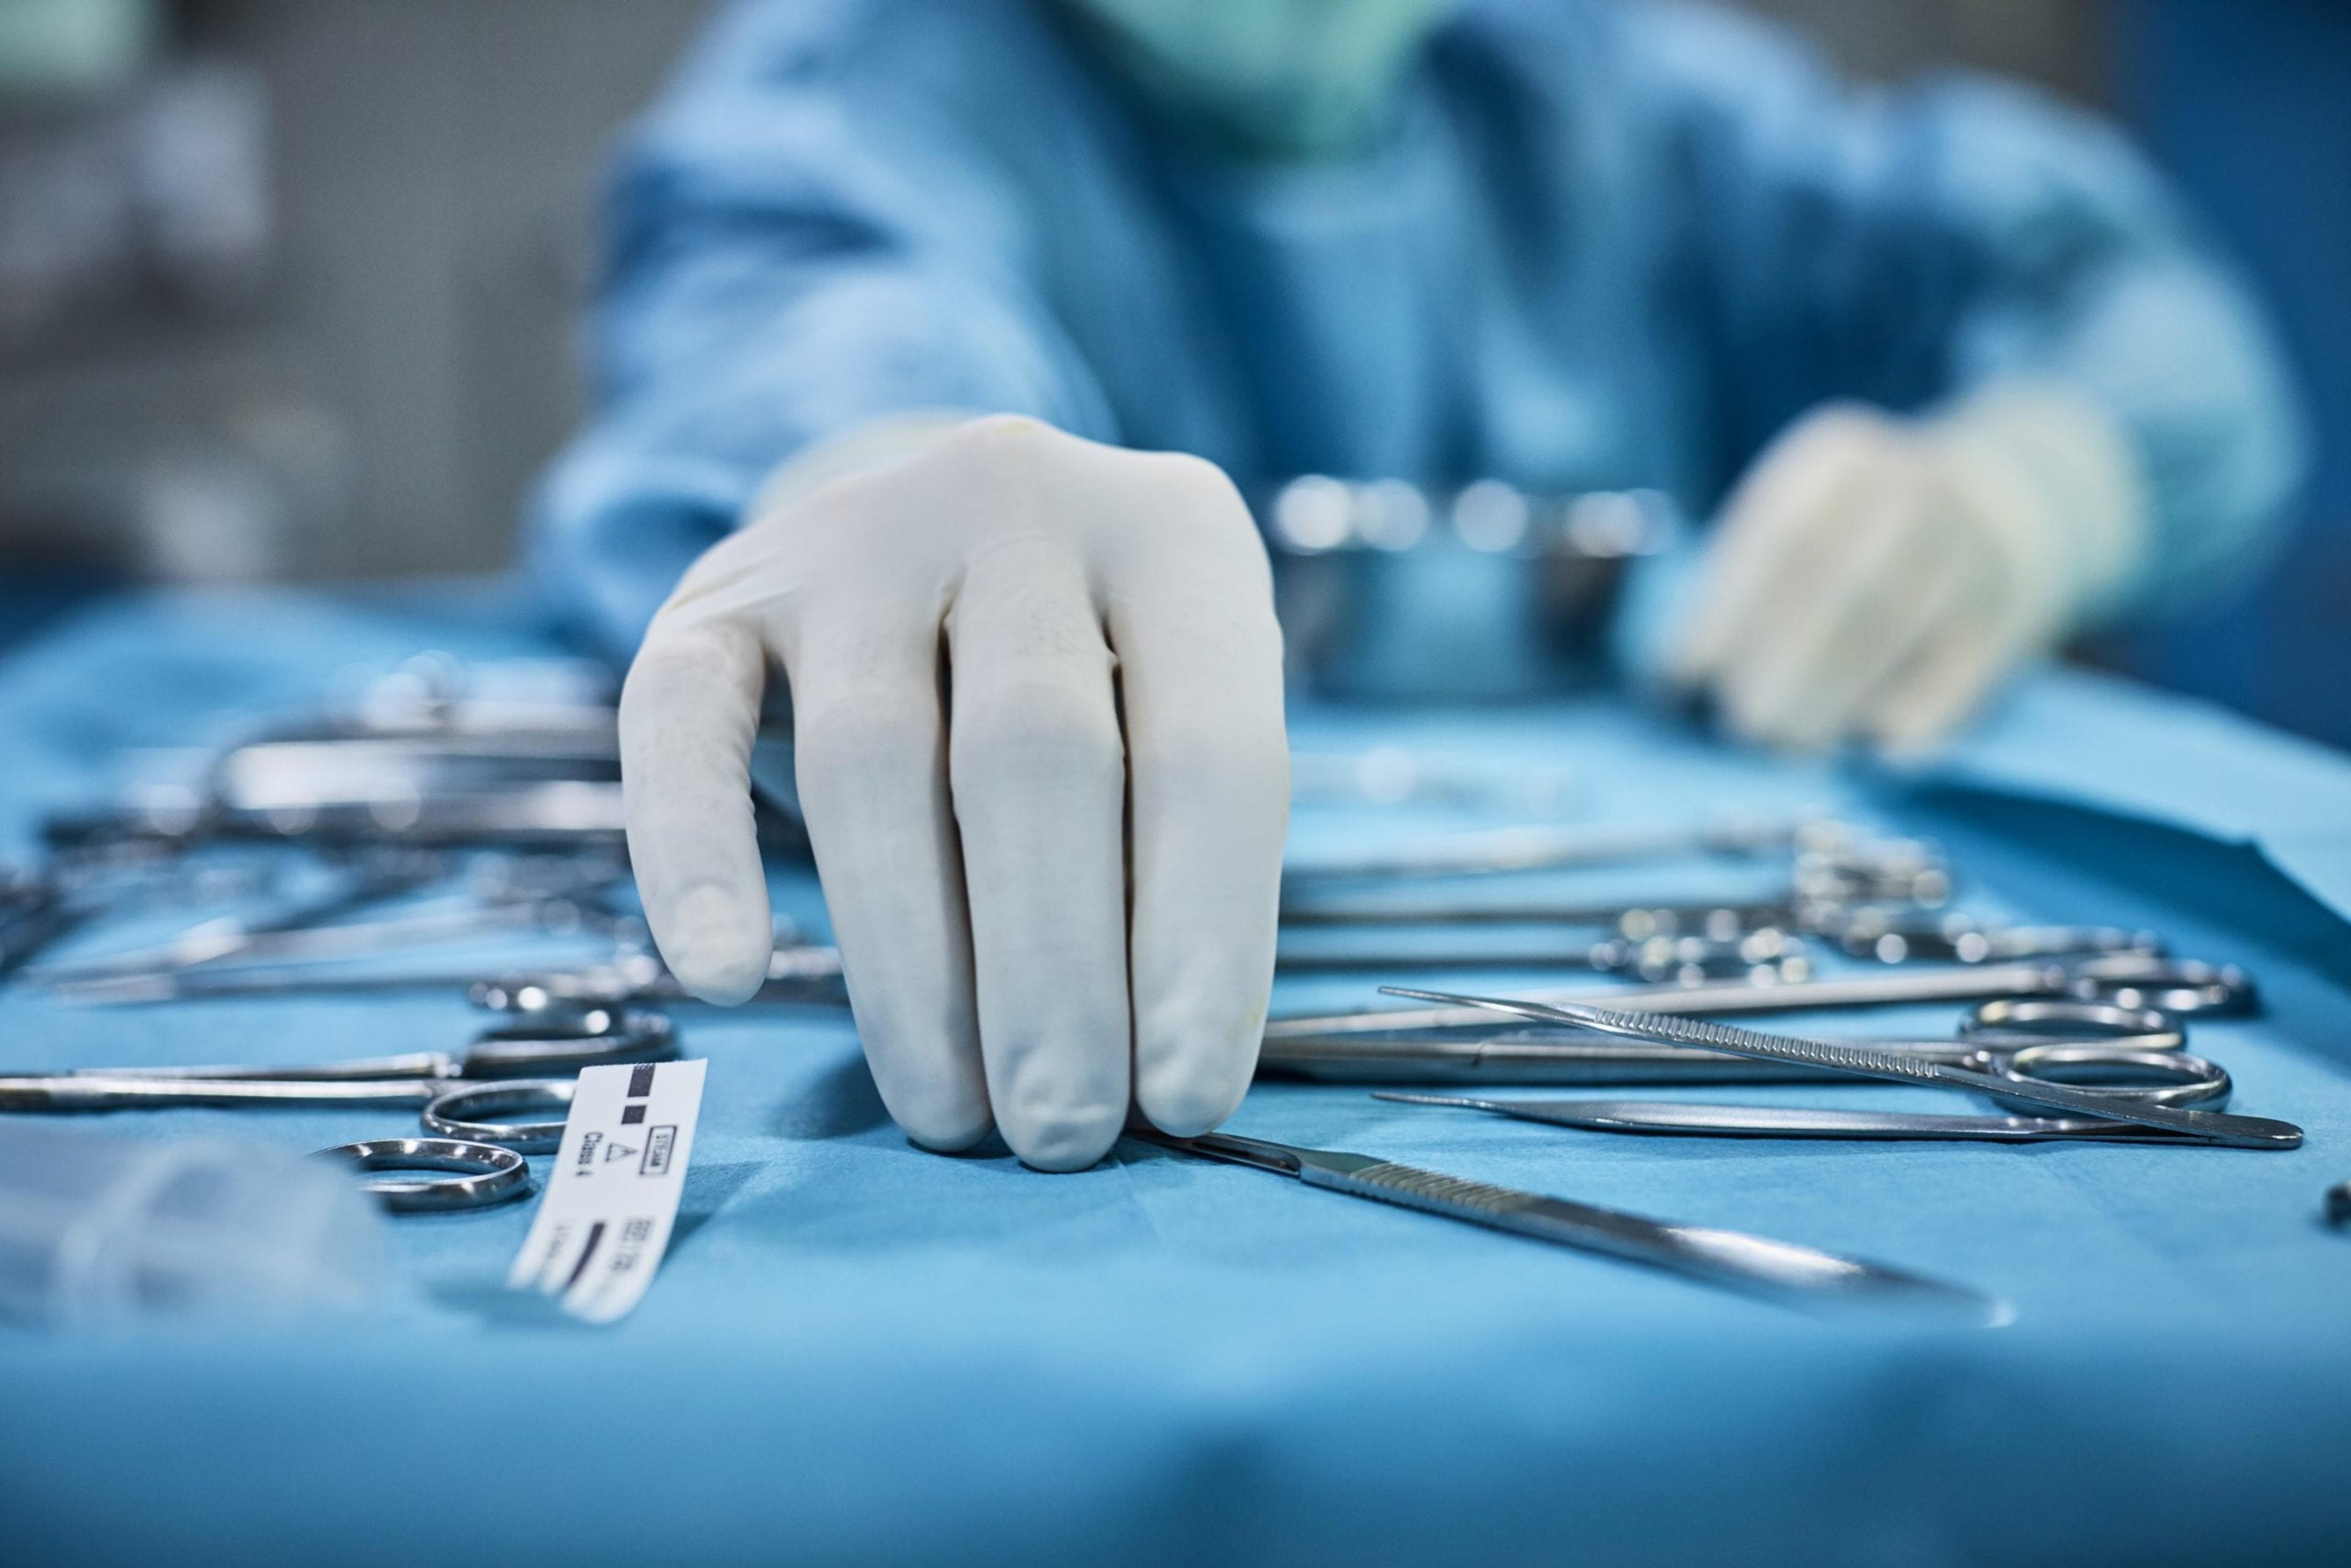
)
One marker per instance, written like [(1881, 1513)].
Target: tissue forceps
[(1716, 1257), (1674, 1116), (1866, 1060), (1990, 1030), (2182, 987)]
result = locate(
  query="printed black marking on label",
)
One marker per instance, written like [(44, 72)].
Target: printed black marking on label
[(595, 1234), (631, 1116), (659, 1141), (641, 1082)]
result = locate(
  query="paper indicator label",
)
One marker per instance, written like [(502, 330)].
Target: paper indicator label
[(612, 1199)]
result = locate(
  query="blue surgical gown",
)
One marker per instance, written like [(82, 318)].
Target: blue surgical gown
[(1598, 245)]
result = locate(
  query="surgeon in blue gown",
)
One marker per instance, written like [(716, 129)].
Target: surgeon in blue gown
[(934, 333)]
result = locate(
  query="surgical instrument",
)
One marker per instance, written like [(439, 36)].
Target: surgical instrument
[(1905, 935), (228, 937), (1830, 860), (2176, 986), (802, 973), (556, 1039), (1671, 1116), (1723, 920), (34, 912), (2339, 1204), (487, 1174), (293, 950), (1658, 960), (1863, 1061), (1718, 1256), (1539, 1057), (1504, 850), (454, 1111), (466, 1114)]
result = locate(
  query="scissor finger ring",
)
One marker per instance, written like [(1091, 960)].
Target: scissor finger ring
[(486, 1175), (2072, 1019), (460, 1114), (2178, 1077)]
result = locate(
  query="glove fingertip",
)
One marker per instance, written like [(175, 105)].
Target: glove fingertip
[(717, 948)]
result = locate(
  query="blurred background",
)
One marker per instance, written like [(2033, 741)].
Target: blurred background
[(288, 288)]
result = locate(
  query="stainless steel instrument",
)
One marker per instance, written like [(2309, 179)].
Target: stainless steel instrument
[(1867, 1061), (1718, 1256)]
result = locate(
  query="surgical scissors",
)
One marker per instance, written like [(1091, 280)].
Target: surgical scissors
[(1718, 1256), (486, 1176), (1863, 1060)]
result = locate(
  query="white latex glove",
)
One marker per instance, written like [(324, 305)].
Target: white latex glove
[(1875, 578), (1040, 926)]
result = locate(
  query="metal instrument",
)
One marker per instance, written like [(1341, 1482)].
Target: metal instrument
[(806, 973), (228, 938), (2182, 987), (458, 1097), (1866, 1060), (1716, 1257), (558, 1039), (1503, 850), (486, 1176), (1540, 1056), (1657, 960), (466, 1114), (1669, 1116)]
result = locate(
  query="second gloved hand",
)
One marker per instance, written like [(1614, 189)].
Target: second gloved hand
[(1875, 578), (1037, 702)]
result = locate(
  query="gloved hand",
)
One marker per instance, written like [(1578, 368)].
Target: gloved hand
[(1875, 578), (1039, 926)]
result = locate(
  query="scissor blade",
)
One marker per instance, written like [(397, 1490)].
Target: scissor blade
[(1665, 1116), (2213, 1126)]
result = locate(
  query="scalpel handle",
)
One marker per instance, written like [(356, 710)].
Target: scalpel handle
[(1722, 1257)]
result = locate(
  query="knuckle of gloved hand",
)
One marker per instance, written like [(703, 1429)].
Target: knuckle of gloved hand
[(997, 447), (1850, 423), (675, 673), (859, 739), (1016, 730)]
